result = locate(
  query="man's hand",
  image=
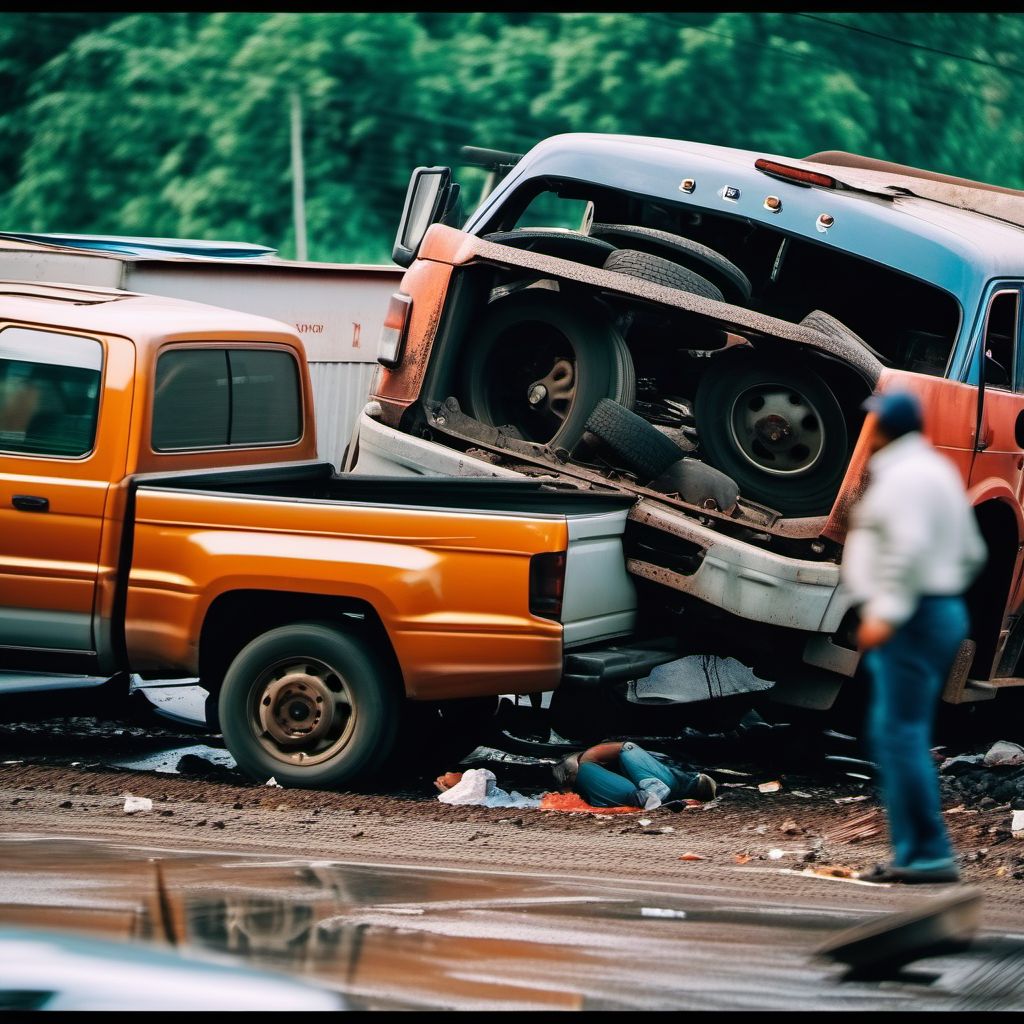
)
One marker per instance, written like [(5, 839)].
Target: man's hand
[(873, 633)]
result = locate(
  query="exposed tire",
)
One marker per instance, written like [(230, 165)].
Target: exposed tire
[(537, 344), (639, 444), (734, 284), (828, 325), (568, 245), (779, 432), (309, 706), (653, 268)]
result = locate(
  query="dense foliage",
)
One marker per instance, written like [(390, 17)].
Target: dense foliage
[(177, 124)]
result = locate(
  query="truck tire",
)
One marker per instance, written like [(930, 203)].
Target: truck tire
[(653, 268), (310, 706), (835, 330), (567, 245), (639, 444), (779, 432), (564, 354), (734, 284)]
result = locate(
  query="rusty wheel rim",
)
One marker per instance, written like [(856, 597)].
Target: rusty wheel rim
[(302, 711), (777, 429)]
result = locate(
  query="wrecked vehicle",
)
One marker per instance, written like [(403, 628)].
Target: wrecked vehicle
[(696, 327), (164, 513)]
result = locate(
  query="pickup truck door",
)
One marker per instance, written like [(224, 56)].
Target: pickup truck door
[(53, 487), (998, 355)]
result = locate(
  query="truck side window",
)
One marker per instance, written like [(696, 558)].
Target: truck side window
[(218, 398), (1000, 340), (49, 392)]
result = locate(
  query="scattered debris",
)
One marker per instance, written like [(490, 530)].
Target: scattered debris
[(644, 821), (478, 787), (661, 912), (132, 804), (770, 787), (881, 946), (691, 856), (860, 826), (801, 793), (1003, 752), (742, 858), (693, 678), (1017, 825), (791, 828), (850, 799), (574, 803), (831, 871), (273, 782), (67, 803), (776, 854)]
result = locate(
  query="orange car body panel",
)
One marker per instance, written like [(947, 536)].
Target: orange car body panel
[(450, 588)]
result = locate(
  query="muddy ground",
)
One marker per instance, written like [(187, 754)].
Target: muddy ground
[(70, 777)]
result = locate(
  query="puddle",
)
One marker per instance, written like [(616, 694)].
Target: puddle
[(402, 937)]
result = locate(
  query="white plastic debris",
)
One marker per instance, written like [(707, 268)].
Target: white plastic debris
[(273, 782), (478, 787), (776, 854), (132, 804), (770, 787), (1004, 753), (1017, 824), (695, 677)]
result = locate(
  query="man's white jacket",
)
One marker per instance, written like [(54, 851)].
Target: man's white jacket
[(912, 533)]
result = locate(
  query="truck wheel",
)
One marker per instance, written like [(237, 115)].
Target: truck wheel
[(779, 432), (541, 362), (641, 446), (658, 271), (309, 706)]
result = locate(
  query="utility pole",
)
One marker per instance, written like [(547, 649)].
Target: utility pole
[(298, 178)]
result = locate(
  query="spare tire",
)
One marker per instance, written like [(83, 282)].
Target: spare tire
[(658, 271), (835, 330), (567, 245), (541, 363), (735, 285), (641, 446)]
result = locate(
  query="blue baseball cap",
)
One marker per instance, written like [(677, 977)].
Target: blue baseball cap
[(899, 412)]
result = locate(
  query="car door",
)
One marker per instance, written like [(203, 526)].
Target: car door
[(53, 487)]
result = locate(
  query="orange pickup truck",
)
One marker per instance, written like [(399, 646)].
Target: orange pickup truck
[(163, 513)]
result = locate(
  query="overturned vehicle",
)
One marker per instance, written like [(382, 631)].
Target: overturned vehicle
[(697, 327)]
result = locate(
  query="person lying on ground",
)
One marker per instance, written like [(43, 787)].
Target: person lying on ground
[(626, 775)]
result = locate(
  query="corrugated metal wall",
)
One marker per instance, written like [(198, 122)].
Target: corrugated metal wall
[(339, 394)]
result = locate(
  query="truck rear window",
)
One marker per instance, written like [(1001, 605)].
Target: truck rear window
[(49, 392), (219, 398)]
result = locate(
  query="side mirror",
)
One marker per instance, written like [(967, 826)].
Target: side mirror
[(426, 202)]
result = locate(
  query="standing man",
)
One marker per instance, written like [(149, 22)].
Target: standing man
[(913, 549)]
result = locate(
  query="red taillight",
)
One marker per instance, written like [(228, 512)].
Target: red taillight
[(547, 583), (795, 174), (392, 332)]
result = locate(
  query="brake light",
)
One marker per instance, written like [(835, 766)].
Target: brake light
[(392, 332), (794, 174), (547, 584)]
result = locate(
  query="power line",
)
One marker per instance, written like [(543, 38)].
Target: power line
[(815, 61), (911, 44)]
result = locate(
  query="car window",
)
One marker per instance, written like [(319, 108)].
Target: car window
[(49, 392), (1001, 340), (218, 398)]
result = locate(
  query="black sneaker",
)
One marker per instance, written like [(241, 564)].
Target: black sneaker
[(887, 873)]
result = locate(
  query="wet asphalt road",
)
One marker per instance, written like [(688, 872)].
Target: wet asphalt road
[(530, 916), (399, 937)]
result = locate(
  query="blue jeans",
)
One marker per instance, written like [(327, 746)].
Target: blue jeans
[(601, 787), (907, 676)]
